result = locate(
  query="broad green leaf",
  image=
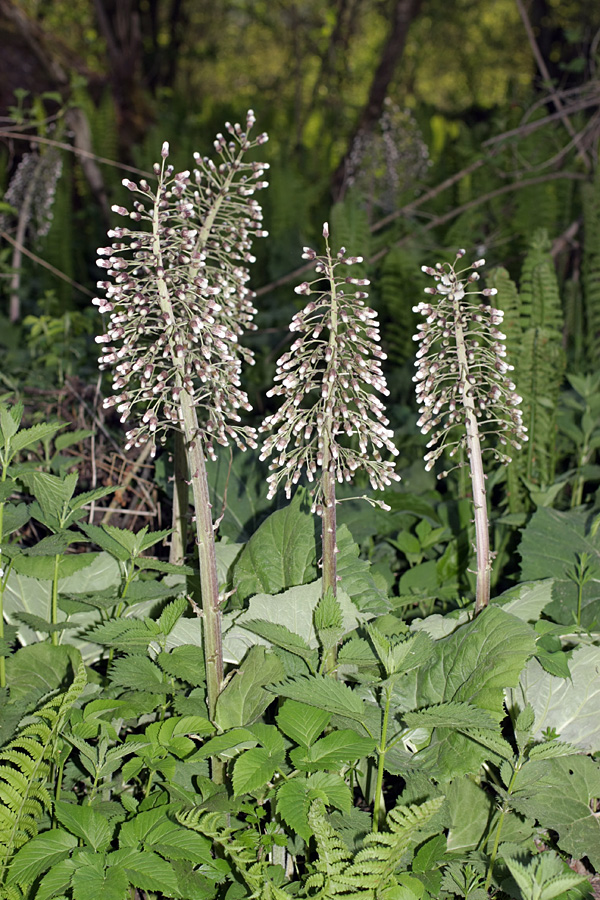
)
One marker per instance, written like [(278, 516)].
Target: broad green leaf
[(333, 788), (302, 723), (150, 538), (37, 670), (526, 600), (93, 880), (280, 554), (160, 565), (254, 769), (55, 544), (470, 665), (467, 814), (293, 803), (42, 567), (449, 715), (129, 635), (570, 706), (84, 822), (10, 419), (332, 751), (228, 744), (40, 624), (269, 737), (86, 497), (56, 881), (549, 548), (40, 853), (244, 698), (356, 578), (557, 792), (145, 870)]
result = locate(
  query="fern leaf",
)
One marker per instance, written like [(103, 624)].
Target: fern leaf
[(24, 770)]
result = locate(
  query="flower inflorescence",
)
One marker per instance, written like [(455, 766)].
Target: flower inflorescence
[(462, 369), (178, 300), (331, 418)]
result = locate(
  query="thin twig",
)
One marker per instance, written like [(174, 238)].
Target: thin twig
[(41, 262), (541, 63), (78, 151)]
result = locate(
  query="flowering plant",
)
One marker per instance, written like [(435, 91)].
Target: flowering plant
[(464, 388)]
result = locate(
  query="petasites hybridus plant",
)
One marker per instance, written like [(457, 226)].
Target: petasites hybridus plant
[(464, 390), (331, 422), (177, 304)]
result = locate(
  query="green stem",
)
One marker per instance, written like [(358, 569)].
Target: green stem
[(382, 749), (54, 602), (503, 812), (180, 502), (482, 536)]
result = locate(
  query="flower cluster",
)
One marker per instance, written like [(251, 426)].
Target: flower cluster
[(36, 178), (462, 372), (178, 300), (331, 418)]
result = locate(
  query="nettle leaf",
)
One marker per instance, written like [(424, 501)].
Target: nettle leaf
[(92, 879), (281, 636), (40, 624), (68, 439), (302, 723), (449, 715), (10, 419), (55, 544), (280, 554), (138, 673), (356, 578), (51, 492), (42, 567), (549, 548), (557, 792), (332, 751), (570, 706), (101, 535), (171, 614), (295, 796), (470, 665), (244, 698), (39, 854), (85, 823), (327, 694), (160, 565), (125, 634), (28, 437), (140, 591)]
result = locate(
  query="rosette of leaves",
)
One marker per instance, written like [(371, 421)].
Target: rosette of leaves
[(464, 388)]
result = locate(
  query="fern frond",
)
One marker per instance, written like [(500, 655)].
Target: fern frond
[(331, 876), (24, 771), (383, 851), (591, 269)]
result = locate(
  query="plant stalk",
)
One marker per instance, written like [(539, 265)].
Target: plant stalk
[(482, 535)]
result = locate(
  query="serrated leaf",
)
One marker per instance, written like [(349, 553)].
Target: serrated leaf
[(100, 536), (40, 624), (160, 565), (332, 751), (302, 723), (15, 516), (458, 715), (470, 664), (280, 554), (93, 880), (293, 803), (254, 769), (138, 673), (43, 431), (326, 693), (150, 538), (171, 614), (56, 882), (557, 792), (40, 853), (55, 544), (85, 823), (125, 634), (552, 750), (52, 493), (281, 636), (36, 670)]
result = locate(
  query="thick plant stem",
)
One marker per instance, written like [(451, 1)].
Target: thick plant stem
[(482, 536), (180, 502), (211, 611), (378, 811)]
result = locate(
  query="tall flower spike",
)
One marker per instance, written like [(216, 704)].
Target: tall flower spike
[(178, 300), (331, 419), (177, 304), (464, 388)]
